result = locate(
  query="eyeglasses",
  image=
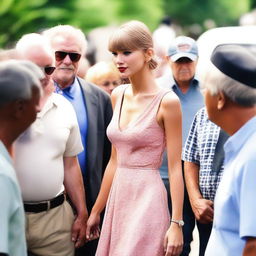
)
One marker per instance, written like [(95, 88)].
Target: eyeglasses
[(48, 70), (75, 57)]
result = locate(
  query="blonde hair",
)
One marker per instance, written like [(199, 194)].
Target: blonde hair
[(99, 70), (133, 35)]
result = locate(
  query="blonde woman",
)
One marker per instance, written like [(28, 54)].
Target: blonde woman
[(146, 119), (105, 75)]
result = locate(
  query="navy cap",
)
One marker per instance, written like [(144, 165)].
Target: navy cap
[(237, 61), (183, 46)]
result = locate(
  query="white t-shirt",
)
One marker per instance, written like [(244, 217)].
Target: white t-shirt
[(39, 151)]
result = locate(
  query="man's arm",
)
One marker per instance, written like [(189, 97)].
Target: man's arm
[(202, 208), (73, 183), (250, 247)]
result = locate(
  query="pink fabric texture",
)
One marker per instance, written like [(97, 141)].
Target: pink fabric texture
[(136, 217)]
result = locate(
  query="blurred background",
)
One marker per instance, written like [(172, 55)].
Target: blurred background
[(189, 17)]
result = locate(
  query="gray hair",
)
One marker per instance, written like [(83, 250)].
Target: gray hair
[(67, 31), (216, 81), (34, 41), (17, 81)]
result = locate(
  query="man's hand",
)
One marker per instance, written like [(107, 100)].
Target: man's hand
[(78, 233), (203, 210)]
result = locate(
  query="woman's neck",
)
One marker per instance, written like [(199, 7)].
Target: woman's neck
[(143, 82)]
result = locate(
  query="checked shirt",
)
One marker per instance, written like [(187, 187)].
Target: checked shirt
[(199, 149)]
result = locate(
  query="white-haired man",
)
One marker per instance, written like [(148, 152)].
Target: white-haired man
[(230, 98), (47, 165), (92, 106), (20, 92)]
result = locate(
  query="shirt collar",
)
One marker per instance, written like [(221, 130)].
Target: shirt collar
[(194, 82), (4, 152), (237, 140), (50, 103), (68, 91)]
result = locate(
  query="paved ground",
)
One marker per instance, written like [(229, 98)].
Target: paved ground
[(195, 244)]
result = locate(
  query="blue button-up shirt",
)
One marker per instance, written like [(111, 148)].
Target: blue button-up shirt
[(235, 203), (74, 94)]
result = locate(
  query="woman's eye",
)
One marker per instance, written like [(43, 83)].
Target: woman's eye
[(114, 53), (127, 52)]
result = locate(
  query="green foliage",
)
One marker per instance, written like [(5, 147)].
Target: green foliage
[(223, 12), (25, 16)]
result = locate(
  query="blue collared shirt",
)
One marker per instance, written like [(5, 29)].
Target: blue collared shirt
[(234, 205), (191, 102), (74, 94)]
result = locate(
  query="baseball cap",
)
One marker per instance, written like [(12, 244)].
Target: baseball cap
[(183, 46), (237, 61)]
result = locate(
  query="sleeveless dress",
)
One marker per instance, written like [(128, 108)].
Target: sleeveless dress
[(136, 216)]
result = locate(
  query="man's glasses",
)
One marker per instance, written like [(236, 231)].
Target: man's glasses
[(48, 70), (75, 57)]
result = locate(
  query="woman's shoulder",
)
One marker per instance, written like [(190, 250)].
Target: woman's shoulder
[(169, 98), (118, 92)]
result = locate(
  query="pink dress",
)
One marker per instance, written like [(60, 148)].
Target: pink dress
[(136, 217)]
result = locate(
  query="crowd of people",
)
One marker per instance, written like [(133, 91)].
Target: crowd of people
[(126, 157)]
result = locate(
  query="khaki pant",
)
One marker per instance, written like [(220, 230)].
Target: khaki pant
[(48, 233)]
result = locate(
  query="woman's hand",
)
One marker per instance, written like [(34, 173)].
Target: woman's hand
[(93, 229), (173, 241)]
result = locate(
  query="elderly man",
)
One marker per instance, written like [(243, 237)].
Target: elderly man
[(203, 157), (47, 165), (182, 58), (230, 98), (19, 103), (92, 106)]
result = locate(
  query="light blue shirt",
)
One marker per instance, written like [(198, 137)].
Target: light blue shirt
[(235, 203), (191, 102), (74, 94), (12, 219)]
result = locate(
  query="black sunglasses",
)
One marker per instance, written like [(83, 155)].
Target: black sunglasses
[(48, 70), (75, 57)]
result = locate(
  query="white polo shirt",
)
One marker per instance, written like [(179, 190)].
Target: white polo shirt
[(39, 151)]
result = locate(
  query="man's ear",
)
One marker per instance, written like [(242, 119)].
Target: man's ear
[(18, 109), (221, 100)]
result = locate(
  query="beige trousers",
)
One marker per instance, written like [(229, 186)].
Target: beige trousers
[(49, 233)]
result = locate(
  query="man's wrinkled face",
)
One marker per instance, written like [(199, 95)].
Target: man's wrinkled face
[(183, 69), (67, 65)]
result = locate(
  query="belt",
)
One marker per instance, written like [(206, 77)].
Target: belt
[(46, 205)]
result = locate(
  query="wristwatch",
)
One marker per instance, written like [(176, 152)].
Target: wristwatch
[(179, 222)]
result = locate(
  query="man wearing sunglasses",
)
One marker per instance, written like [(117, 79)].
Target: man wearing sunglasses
[(93, 109), (47, 165)]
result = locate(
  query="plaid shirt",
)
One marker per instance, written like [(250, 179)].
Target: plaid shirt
[(199, 149)]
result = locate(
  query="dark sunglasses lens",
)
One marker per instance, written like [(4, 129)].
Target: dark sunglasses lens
[(74, 56), (60, 55), (49, 70)]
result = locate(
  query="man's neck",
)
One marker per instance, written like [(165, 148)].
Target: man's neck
[(62, 85), (7, 140), (184, 86)]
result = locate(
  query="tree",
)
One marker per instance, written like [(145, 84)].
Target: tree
[(223, 12)]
